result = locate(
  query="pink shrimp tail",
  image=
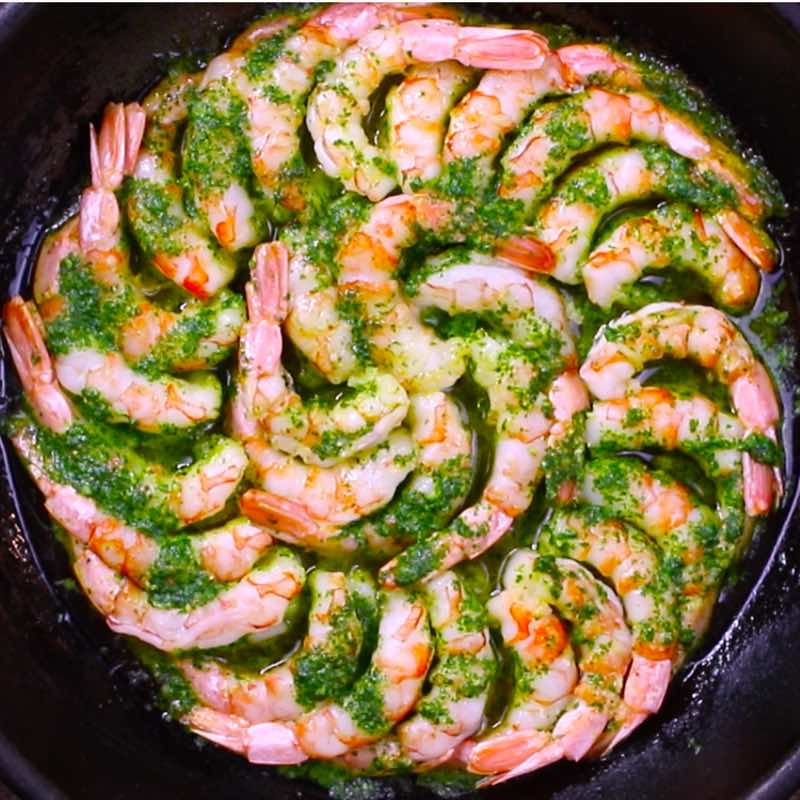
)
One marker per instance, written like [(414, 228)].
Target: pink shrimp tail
[(526, 252), (759, 486), (23, 332), (502, 752), (274, 743), (751, 241), (584, 60), (270, 298), (647, 683), (628, 726), (487, 48), (98, 220)]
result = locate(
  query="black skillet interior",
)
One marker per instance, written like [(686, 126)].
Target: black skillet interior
[(76, 713)]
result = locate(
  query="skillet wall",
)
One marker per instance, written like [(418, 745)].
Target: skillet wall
[(75, 713)]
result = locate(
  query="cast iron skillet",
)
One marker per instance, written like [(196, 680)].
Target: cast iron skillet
[(76, 717)]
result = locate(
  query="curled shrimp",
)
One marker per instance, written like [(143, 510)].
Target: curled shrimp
[(567, 221), (671, 236), (416, 117), (391, 685), (180, 249), (633, 564), (275, 115), (180, 498), (282, 692), (340, 101), (708, 337), (436, 488), (604, 652), (364, 418), (254, 607), (540, 153), (454, 707), (687, 531)]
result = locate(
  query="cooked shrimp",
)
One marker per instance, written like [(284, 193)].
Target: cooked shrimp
[(435, 489), (688, 532), (704, 335), (277, 98), (226, 553), (527, 426), (604, 653), (655, 417), (569, 219), (633, 564), (340, 101), (559, 132), (497, 106), (460, 679), (528, 309), (254, 608), (398, 340), (416, 116), (363, 418), (186, 496), (545, 675), (388, 690), (175, 243), (671, 236), (216, 150), (330, 648)]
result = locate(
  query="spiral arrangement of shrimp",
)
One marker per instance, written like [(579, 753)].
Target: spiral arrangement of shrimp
[(413, 386)]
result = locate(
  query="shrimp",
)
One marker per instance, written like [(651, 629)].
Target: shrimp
[(87, 362), (254, 607), (225, 553), (307, 503), (435, 489), (527, 428), (330, 649), (604, 653), (375, 405), (340, 101), (495, 107), (398, 340), (385, 693), (527, 308), (688, 532), (174, 242), (545, 676), (216, 152), (276, 102), (460, 679), (559, 132), (416, 116), (708, 337), (180, 498), (569, 219), (633, 564), (671, 236)]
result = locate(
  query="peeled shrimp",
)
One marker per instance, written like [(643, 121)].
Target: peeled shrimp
[(184, 497), (330, 648), (454, 707), (182, 250), (254, 608), (416, 118), (560, 131), (340, 101), (362, 419), (706, 336), (604, 650), (633, 564), (435, 489), (688, 532), (568, 220), (671, 236)]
